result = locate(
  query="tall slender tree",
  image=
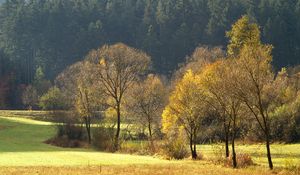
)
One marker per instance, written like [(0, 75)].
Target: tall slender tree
[(119, 66)]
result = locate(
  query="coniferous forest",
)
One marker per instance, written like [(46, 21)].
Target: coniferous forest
[(50, 35)]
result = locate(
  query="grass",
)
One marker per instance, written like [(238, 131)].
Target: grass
[(22, 145), (22, 151), (282, 154), (191, 168)]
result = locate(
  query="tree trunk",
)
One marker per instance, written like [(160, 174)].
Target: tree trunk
[(269, 151), (195, 151), (150, 135), (226, 131), (193, 148), (88, 128), (116, 146), (226, 145), (234, 162)]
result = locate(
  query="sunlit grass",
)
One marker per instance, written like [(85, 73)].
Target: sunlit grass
[(184, 168), (282, 154), (22, 146)]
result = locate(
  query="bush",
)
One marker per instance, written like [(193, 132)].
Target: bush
[(70, 131), (243, 160), (103, 138), (139, 147), (64, 142), (219, 153), (175, 149), (68, 135), (135, 147)]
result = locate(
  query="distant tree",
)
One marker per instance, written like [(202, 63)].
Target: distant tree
[(30, 97), (186, 109), (52, 100), (243, 32), (146, 101), (4, 90), (119, 66), (201, 57), (66, 81), (40, 83)]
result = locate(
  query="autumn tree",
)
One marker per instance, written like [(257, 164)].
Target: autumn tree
[(146, 101), (253, 73), (82, 90), (243, 32), (186, 109), (119, 66), (66, 81), (253, 78), (201, 57), (217, 80), (52, 100), (89, 96)]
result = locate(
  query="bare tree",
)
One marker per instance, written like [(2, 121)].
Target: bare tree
[(146, 101), (82, 90), (119, 66), (90, 95)]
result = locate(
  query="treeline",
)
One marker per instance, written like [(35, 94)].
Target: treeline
[(216, 96), (53, 34)]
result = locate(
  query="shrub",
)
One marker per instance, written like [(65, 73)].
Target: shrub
[(135, 147), (175, 149), (218, 152), (64, 142), (103, 138), (68, 135), (70, 131), (139, 147), (243, 160)]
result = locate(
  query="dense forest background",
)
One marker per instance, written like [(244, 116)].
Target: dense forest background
[(52, 34)]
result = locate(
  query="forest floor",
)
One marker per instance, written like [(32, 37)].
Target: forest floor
[(23, 151)]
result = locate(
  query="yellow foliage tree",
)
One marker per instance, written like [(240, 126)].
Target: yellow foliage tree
[(253, 80), (217, 81), (186, 108), (243, 32)]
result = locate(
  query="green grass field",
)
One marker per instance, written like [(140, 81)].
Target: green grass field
[(22, 145), (22, 151)]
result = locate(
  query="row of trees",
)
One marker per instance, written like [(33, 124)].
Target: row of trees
[(105, 79), (38, 33), (237, 87), (212, 87)]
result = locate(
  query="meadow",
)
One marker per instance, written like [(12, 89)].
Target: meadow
[(23, 151)]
